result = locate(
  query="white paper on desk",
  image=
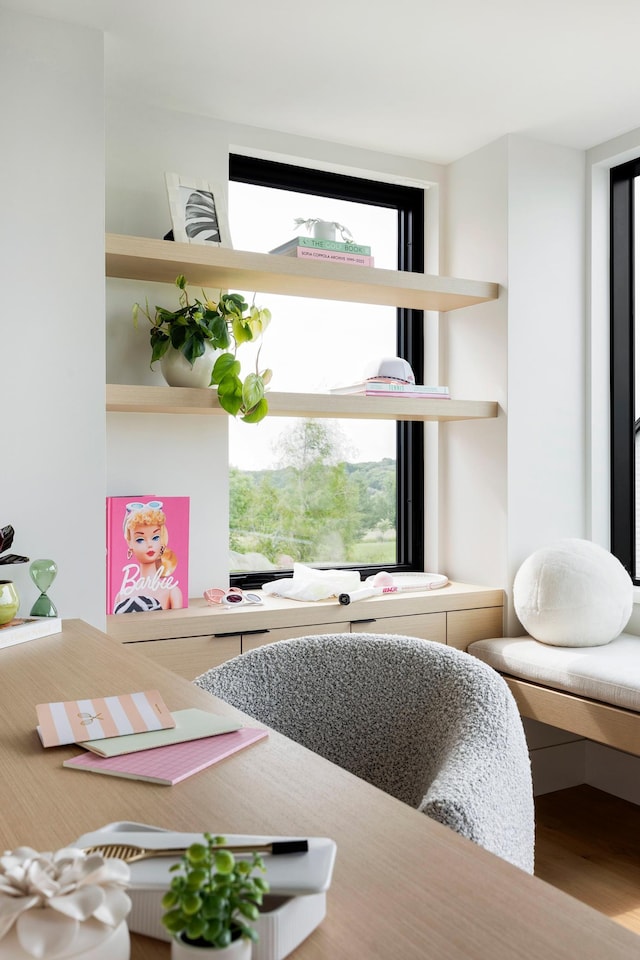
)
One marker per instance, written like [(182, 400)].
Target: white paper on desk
[(293, 874)]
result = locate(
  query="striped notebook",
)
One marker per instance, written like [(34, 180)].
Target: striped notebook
[(73, 721)]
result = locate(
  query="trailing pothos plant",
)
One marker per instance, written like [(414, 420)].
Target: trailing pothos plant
[(225, 325)]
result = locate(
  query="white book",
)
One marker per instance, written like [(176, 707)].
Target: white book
[(386, 386), (28, 628)]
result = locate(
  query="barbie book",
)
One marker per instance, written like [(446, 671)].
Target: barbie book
[(147, 554)]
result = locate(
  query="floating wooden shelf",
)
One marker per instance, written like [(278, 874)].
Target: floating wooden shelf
[(139, 258), (122, 398)]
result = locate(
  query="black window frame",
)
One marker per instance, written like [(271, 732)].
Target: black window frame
[(622, 364), (409, 203)]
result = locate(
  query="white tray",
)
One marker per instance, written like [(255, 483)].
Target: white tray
[(294, 907)]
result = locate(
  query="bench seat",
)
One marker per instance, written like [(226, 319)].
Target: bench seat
[(591, 691)]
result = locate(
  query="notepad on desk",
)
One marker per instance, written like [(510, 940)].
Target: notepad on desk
[(170, 764), (74, 721), (191, 724)]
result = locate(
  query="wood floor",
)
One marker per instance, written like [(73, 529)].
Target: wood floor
[(588, 844)]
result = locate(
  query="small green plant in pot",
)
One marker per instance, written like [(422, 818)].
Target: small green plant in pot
[(223, 325), (213, 899)]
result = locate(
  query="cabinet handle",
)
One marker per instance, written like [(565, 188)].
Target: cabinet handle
[(249, 633), (367, 620), (231, 633)]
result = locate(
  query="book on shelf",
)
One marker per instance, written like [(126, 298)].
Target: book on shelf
[(334, 256), (388, 387), (289, 248), (92, 718), (173, 763), (147, 554), (21, 629), (190, 724)]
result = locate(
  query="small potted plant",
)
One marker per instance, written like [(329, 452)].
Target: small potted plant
[(63, 904), (211, 902), (204, 336), (324, 229)]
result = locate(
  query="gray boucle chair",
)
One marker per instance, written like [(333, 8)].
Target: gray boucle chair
[(428, 724)]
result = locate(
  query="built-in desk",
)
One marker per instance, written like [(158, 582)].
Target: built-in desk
[(403, 887)]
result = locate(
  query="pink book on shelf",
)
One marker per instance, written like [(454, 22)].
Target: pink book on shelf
[(333, 256), (147, 554), (171, 764)]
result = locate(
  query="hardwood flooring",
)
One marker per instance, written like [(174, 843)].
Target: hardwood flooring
[(588, 844)]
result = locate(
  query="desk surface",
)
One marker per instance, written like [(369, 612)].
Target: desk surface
[(403, 885)]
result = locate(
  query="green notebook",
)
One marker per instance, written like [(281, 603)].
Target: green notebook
[(191, 724)]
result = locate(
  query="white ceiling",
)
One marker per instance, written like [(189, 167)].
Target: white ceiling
[(431, 79)]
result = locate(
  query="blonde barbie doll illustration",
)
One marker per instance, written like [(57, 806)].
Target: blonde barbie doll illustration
[(147, 577)]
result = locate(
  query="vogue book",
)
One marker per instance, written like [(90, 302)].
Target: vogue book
[(147, 554)]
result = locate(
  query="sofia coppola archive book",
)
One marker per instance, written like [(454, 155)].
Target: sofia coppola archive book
[(147, 554)]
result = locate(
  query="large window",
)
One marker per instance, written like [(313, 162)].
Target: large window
[(625, 365), (329, 493)]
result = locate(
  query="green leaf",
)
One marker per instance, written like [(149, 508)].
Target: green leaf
[(190, 904), (193, 348), (169, 899), (159, 347), (253, 390), (196, 927), (173, 921), (225, 366), (224, 861), (258, 413), (181, 282)]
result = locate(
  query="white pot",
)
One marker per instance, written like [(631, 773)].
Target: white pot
[(324, 230), (94, 941), (178, 372), (238, 950)]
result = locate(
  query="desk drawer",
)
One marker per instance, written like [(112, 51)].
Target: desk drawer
[(465, 626), (425, 626), (190, 656), (252, 640)]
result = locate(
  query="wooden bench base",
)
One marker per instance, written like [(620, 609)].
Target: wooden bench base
[(612, 726)]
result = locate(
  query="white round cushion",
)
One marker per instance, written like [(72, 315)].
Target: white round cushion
[(573, 593)]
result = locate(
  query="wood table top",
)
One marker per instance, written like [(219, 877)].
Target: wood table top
[(403, 886)]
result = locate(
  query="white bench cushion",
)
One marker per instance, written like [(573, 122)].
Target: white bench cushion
[(610, 673)]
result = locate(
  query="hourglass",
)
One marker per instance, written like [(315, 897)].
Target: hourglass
[(43, 573)]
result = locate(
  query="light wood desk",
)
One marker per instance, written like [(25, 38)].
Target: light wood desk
[(403, 886)]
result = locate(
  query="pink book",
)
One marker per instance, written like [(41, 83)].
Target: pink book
[(171, 764), (333, 256), (147, 554)]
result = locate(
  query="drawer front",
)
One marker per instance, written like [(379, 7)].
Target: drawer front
[(425, 626), (190, 656), (465, 626), (252, 640)]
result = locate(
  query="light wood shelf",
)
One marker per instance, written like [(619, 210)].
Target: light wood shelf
[(140, 258), (123, 398)]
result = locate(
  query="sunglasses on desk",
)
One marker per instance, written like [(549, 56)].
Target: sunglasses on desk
[(231, 597)]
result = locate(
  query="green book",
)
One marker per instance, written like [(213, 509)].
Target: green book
[(191, 724), (290, 246)]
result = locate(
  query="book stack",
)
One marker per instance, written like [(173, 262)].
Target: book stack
[(21, 629), (135, 736), (333, 251), (389, 387)]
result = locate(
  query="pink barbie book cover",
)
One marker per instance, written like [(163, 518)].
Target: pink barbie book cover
[(147, 554)]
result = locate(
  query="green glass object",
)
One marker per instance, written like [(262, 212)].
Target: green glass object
[(9, 601), (43, 573)]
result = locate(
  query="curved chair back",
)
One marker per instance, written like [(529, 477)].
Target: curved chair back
[(428, 724)]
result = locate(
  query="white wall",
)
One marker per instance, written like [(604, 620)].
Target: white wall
[(52, 306), (515, 214)]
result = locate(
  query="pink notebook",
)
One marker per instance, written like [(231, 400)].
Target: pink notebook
[(171, 764)]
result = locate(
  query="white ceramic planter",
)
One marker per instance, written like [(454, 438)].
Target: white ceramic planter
[(178, 372), (324, 230), (94, 941), (238, 950)]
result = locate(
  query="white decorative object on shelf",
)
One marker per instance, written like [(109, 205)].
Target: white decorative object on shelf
[(63, 905)]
